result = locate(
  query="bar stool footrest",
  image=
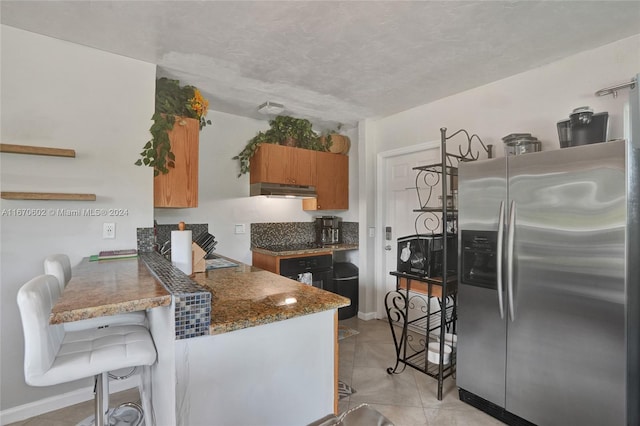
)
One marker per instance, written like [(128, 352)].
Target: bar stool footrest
[(126, 414)]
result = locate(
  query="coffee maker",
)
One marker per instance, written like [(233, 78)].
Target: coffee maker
[(328, 230), (583, 127)]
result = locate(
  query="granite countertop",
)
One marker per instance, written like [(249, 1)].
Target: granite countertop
[(108, 287), (310, 250), (242, 296), (245, 296)]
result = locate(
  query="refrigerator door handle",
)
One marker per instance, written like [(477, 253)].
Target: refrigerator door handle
[(499, 255), (510, 241)]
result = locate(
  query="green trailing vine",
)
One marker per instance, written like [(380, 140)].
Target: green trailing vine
[(171, 101)]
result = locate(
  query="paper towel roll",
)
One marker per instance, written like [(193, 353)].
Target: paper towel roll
[(181, 251)]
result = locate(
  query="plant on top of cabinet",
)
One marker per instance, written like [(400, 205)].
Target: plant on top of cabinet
[(284, 130), (335, 141), (172, 100)]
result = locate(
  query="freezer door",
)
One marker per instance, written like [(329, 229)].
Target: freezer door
[(566, 329), (481, 348), (633, 254)]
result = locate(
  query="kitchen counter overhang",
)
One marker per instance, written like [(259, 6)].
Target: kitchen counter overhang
[(235, 297), (108, 287)]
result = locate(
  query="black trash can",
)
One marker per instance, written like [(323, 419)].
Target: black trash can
[(345, 283)]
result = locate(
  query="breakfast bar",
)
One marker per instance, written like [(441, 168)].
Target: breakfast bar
[(109, 287), (236, 345)]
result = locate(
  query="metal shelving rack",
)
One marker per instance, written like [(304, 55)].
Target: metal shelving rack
[(409, 305)]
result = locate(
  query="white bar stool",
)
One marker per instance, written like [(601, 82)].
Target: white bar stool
[(53, 355), (59, 265)]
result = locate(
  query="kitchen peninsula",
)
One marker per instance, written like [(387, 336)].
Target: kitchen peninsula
[(266, 355)]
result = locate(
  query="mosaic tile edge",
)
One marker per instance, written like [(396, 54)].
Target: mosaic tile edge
[(192, 301)]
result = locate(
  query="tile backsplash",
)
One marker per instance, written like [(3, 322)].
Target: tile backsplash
[(266, 234), (350, 234), (147, 242), (164, 231), (275, 233)]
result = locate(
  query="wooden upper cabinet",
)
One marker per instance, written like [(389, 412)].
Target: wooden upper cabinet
[(274, 163), (332, 183), (179, 187)]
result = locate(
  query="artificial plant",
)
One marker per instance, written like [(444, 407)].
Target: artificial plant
[(172, 100)]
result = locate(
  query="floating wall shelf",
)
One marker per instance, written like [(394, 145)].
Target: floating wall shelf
[(9, 195), (41, 150), (37, 150)]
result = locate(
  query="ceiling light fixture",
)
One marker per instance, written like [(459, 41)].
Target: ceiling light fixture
[(270, 108)]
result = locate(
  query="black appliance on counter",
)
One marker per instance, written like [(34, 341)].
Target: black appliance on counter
[(421, 254), (328, 230)]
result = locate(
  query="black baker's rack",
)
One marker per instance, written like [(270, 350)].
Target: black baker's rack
[(414, 322)]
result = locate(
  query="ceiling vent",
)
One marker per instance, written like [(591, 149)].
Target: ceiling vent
[(271, 108)]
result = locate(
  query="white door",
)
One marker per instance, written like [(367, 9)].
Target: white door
[(398, 198)]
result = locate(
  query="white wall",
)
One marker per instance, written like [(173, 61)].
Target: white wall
[(223, 198), (65, 95), (367, 218), (531, 102)]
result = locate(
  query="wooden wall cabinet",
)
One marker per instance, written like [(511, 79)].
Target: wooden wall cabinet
[(179, 187), (332, 183), (327, 171), (274, 163)]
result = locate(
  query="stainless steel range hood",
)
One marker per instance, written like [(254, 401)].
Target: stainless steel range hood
[(282, 190)]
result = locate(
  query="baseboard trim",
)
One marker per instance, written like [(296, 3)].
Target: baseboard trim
[(366, 316), (35, 408)]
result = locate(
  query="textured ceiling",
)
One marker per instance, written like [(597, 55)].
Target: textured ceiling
[(332, 61)]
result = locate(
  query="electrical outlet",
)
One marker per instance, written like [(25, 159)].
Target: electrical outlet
[(108, 230)]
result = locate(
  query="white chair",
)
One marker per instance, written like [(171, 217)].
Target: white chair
[(53, 356), (59, 266)]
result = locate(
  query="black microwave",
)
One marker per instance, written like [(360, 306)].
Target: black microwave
[(422, 254)]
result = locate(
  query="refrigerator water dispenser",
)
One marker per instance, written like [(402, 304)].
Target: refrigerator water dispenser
[(479, 258)]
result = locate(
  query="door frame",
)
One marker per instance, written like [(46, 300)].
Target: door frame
[(381, 194)]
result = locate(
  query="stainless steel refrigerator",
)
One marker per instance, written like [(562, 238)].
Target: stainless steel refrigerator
[(548, 294)]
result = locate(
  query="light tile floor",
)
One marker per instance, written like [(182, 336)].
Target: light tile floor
[(407, 399), (76, 413)]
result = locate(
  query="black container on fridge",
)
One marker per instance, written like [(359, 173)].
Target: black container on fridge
[(583, 127)]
